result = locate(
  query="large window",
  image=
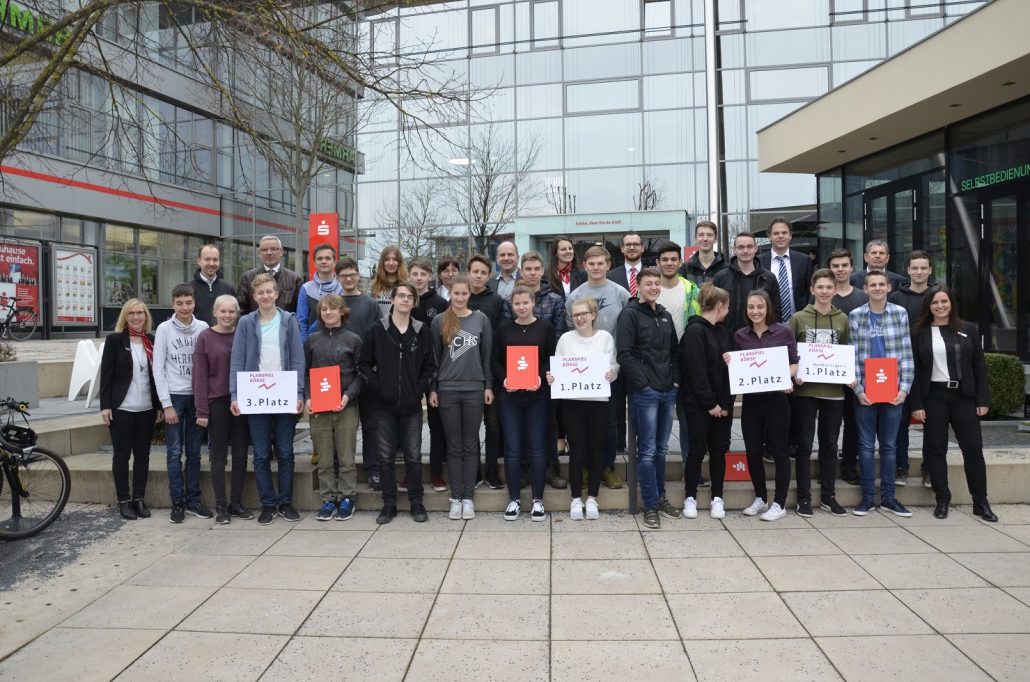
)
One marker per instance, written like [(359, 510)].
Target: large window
[(484, 30), (658, 18), (621, 95), (545, 22)]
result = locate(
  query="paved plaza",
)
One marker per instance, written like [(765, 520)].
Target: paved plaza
[(875, 598)]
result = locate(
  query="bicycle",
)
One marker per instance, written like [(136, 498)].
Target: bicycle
[(20, 322), (38, 481)]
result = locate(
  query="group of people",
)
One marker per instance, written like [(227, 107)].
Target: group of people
[(666, 330)]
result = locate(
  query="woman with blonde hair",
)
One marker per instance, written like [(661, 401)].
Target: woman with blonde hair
[(390, 271)]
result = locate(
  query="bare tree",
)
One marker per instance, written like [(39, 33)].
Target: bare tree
[(560, 200), (414, 223), (648, 197)]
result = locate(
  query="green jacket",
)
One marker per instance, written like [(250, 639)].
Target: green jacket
[(809, 326), (690, 305)]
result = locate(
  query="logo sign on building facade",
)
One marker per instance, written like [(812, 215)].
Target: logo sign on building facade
[(323, 228)]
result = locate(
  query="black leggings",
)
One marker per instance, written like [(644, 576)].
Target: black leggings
[(131, 433), (765, 417), (946, 406), (585, 422), (708, 435), (223, 429)]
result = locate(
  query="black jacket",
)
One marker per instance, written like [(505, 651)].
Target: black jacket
[(204, 295), (490, 304), (801, 270), (646, 347), (429, 306), (696, 273), (965, 364), (287, 282), (705, 382), (910, 300), (398, 368), (116, 372), (739, 285), (576, 277)]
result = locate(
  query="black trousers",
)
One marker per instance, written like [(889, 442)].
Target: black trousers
[(131, 433), (765, 421), (849, 447), (437, 440), (805, 412), (369, 438), (708, 435), (400, 432), (225, 429), (584, 420), (946, 406), (493, 437)]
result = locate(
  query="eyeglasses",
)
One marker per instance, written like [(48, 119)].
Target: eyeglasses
[(347, 275), (404, 297), (633, 245), (579, 315)]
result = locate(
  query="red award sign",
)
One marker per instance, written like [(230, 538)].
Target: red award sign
[(323, 228)]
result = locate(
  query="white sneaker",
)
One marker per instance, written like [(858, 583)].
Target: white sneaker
[(468, 510), (511, 513), (690, 508), (775, 512), (576, 510), (592, 512), (718, 511), (756, 508), (455, 512), (538, 513)]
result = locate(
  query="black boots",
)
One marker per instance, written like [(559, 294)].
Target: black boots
[(941, 510), (982, 509), (128, 510)]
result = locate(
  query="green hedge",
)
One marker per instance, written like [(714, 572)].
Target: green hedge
[(1006, 382)]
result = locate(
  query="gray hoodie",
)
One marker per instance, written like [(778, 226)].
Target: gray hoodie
[(173, 358), (465, 362)]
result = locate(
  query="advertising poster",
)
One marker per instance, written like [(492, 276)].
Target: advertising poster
[(75, 295), (19, 276)]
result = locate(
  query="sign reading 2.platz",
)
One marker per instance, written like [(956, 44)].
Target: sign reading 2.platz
[(759, 371), (266, 392), (826, 363)]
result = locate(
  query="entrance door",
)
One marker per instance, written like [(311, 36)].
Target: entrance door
[(891, 214), (1003, 257)]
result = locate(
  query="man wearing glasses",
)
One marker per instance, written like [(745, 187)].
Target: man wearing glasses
[(743, 275), (633, 251), (287, 282)]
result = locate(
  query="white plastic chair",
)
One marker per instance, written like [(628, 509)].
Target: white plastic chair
[(94, 382), (84, 368)]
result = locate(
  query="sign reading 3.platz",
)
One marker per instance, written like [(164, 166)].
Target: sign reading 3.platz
[(266, 392)]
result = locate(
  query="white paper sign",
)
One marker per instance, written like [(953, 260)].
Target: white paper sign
[(826, 363), (759, 371), (581, 376), (266, 392)]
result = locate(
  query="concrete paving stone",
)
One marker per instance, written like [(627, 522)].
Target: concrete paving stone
[(362, 520), (250, 611), (710, 574), (296, 573), (1002, 569), (587, 617), (737, 615), (438, 523), (877, 541), (823, 519), (498, 661), (692, 544), (597, 545), (900, 571), (761, 660), (410, 545), (402, 575), (977, 538), (99, 654), (899, 657), (703, 522), (501, 616), (312, 543), (616, 576), (206, 656), (341, 658), (607, 521), (1020, 533), (491, 545), (736, 521), (1020, 593), (190, 570), (497, 576), (1006, 658), (240, 543), (140, 606), (986, 610), (923, 516), (351, 614), (494, 522), (651, 661), (811, 573), (848, 614), (785, 542)]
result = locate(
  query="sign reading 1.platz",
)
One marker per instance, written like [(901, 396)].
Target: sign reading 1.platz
[(578, 377), (826, 363), (266, 392), (759, 371)]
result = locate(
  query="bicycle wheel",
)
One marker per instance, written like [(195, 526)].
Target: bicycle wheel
[(37, 495), (23, 324)]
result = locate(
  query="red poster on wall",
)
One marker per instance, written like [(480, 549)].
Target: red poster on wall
[(323, 228), (19, 276)]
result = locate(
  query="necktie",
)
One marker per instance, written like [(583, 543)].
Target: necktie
[(786, 302), (633, 282)]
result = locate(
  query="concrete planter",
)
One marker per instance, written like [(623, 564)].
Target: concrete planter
[(20, 380)]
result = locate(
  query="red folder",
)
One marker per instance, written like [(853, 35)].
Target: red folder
[(325, 388), (881, 380), (736, 467), (523, 367)]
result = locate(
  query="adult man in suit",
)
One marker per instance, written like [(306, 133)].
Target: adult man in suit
[(507, 270), (287, 282), (792, 269), (626, 275), (877, 255)]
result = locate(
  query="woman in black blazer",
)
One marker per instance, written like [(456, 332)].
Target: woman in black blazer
[(563, 275), (129, 404), (950, 388)]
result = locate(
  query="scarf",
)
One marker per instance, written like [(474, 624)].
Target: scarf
[(331, 287), (565, 272), (148, 345)]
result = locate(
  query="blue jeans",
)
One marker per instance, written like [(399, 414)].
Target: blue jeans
[(877, 421), (652, 412), (263, 429), (186, 434), (526, 412)]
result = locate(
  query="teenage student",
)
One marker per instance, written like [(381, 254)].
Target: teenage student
[(743, 275), (447, 268), (129, 404), (706, 262), (563, 272), (490, 304), (390, 271), (430, 305), (211, 394), (951, 390), (706, 398), (334, 433), (765, 417), (524, 411), (268, 340), (583, 417), (323, 282), (462, 340)]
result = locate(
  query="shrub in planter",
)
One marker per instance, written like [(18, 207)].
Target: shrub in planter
[(1006, 381), (8, 353)]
